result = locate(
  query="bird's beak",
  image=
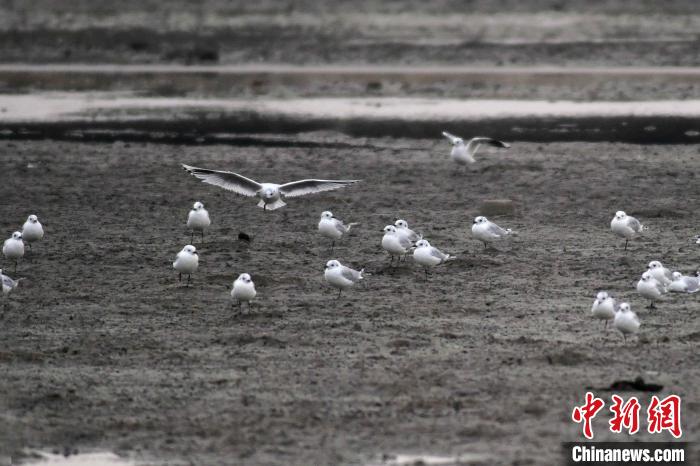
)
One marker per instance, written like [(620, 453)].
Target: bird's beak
[(195, 253), (474, 221)]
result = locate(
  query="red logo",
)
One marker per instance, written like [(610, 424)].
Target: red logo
[(661, 415), (587, 412), (665, 415), (624, 415)]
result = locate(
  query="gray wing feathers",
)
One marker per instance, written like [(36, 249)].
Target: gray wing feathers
[(405, 242), (228, 180), (340, 226), (496, 230), (350, 274), (439, 254), (634, 224), (302, 187), (489, 141)]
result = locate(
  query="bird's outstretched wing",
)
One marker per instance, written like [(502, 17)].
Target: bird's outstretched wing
[(490, 142), (453, 139), (302, 187), (228, 180)]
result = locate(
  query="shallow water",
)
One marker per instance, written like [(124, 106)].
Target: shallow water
[(81, 459)]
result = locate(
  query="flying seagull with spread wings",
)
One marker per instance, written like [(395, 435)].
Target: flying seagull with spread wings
[(464, 153), (270, 194)]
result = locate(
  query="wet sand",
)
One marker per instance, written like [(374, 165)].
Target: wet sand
[(102, 348)]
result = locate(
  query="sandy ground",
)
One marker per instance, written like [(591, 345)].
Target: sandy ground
[(102, 348)]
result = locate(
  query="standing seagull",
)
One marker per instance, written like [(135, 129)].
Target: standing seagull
[(660, 273), (198, 219), (650, 288), (625, 226), (428, 256), (270, 194), (603, 307), (626, 321), (463, 154), (394, 243), (13, 248), (332, 227), (340, 276), (32, 230), (486, 231), (243, 290), (186, 261), (8, 285)]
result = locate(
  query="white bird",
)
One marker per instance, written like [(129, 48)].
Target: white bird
[(332, 227), (243, 290), (198, 219), (650, 288), (486, 231), (394, 243), (32, 230), (8, 285), (187, 262), (340, 276), (603, 307), (684, 283), (660, 273), (697, 239), (13, 248), (625, 226), (464, 153), (270, 194), (429, 256), (626, 321), (403, 230)]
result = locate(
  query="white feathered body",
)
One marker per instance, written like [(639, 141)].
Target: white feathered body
[(186, 263), (13, 248), (32, 231)]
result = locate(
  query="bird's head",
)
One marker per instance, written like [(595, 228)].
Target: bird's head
[(17, 235), (32, 219), (245, 278), (332, 264), (197, 206), (327, 214), (401, 223), (620, 215), (479, 220), (189, 249), (389, 229), (422, 244)]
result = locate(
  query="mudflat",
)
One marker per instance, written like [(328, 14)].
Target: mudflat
[(102, 348)]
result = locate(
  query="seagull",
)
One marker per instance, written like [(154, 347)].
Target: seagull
[(603, 307), (243, 290), (394, 243), (660, 273), (463, 154), (13, 248), (270, 194), (198, 219), (626, 321), (332, 227), (650, 288), (428, 256), (187, 262), (340, 276), (8, 285), (32, 230), (684, 284), (697, 239), (486, 231), (403, 230), (625, 226)]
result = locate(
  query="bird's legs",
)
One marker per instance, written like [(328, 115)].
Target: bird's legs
[(426, 273), (192, 237), (189, 277), (340, 290), (202, 235), (332, 245), (179, 277), (652, 305), (626, 241)]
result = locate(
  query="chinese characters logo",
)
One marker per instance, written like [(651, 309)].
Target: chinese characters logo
[(662, 415)]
